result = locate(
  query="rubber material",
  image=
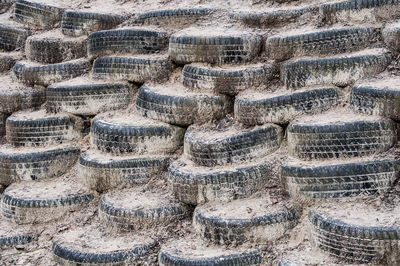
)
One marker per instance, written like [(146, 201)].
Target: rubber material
[(17, 98), (12, 38), (37, 14)]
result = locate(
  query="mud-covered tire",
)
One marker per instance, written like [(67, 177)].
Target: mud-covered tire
[(280, 108), (41, 163), (137, 69), (208, 147), (78, 23), (102, 172), (35, 74), (40, 202), (221, 47), (319, 42), (339, 180), (175, 105), (37, 14), (245, 220), (12, 37), (340, 70), (135, 135), (228, 81), (196, 185), (7, 61), (391, 37), (316, 138), (127, 41), (124, 211)]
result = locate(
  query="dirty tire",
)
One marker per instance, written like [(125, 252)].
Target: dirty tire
[(339, 180), (180, 107), (259, 108), (336, 70), (319, 42), (77, 23), (3, 118), (15, 240), (6, 61), (216, 184), (37, 14), (13, 37), (127, 41), (228, 81), (391, 37), (18, 97), (5, 5), (219, 48), (88, 99), (101, 172), (137, 69), (246, 145), (38, 164)]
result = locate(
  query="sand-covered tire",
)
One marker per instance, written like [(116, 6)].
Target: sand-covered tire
[(339, 179), (339, 135), (131, 133), (340, 70), (173, 18), (7, 61), (36, 74), (12, 37), (196, 185), (42, 201), (78, 23), (37, 13), (3, 118), (5, 5), (319, 42), (227, 80), (139, 68), (212, 46), (190, 251), (281, 107), (103, 172), (34, 164), (53, 47), (391, 37), (27, 128), (357, 231), (133, 209), (175, 105), (127, 41), (10, 236), (211, 147), (246, 220)]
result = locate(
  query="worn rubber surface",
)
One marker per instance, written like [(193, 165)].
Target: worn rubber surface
[(78, 23), (340, 70), (206, 148), (11, 236), (338, 180), (174, 105), (319, 42), (138, 68), (228, 81), (102, 172), (5, 5), (3, 118), (281, 108), (15, 97), (37, 14), (17, 165), (12, 241), (391, 37), (7, 61), (195, 185), (12, 37), (220, 47), (127, 41)]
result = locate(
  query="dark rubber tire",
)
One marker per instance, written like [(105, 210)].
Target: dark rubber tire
[(13, 37), (391, 37), (37, 14), (12, 241), (12, 236), (7, 61), (3, 118)]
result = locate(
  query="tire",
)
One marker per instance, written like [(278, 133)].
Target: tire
[(137, 69), (339, 180), (127, 41), (196, 185), (3, 118), (347, 137), (139, 136), (35, 74), (174, 105), (228, 81), (192, 252), (5, 5), (123, 211), (77, 23), (13, 37), (17, 165), (391, 37), (37, 14), (251, 220), (7, 61), (88, 97), (339, 70), (208, 147), (101, 172), (10, 236), (220, 47), (51, 49), (319, 42), (37, 202), (40, 129), (282, 107)]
